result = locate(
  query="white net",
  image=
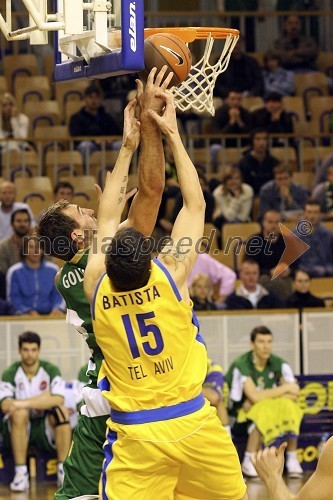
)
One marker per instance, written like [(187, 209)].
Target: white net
[(196, 91)]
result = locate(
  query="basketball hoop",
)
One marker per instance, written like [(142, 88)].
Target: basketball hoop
[(196, 91)]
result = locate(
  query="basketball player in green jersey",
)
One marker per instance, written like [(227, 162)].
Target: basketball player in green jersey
[(67, 230)]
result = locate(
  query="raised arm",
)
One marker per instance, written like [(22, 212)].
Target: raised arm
[(179, 257), (112, 202), (145, 205)]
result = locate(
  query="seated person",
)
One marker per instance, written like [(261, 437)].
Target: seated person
[(222, 277), (267, 248), (249, 294), (318, 258), (323, 194), (30, 283), (302, 297), (263, 400), (233, 198), (283, 195), (276, 78), (32, 396), (63, 190), (10, 248), (257, 164), (273, 118), (297, 52), (8, 206), (13, 124), (201, 292), (92, 120), (212, 389)]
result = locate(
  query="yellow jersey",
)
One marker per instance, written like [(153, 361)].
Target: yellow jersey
[(154, 355)]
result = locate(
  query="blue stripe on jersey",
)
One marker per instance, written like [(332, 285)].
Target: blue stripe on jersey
[(111, 438), (92, 307), (104, 384), (196, 323), (158, 414), (170, 278)]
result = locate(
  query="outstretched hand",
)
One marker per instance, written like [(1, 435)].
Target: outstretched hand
[(131, 135), (269, 462), (146, 94), (168, 121)]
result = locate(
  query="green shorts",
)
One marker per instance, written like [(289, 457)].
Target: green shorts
[(83, 464), (41, 434)]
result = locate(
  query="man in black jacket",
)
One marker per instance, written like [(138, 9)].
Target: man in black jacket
[(249, 294), (92, 120)]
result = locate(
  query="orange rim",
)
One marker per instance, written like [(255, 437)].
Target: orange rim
[(191, 34)]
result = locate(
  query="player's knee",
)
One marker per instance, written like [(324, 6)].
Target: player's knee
[(58, 416), (20, 417)]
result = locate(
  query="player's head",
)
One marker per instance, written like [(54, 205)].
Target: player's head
[(29, 347), (128, 260), (65, 228), (261, 342)]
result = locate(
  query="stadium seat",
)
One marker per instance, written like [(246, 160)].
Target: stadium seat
[(325, 62), (27, 185), (71, 107), (38, 202), (31, 88), (46, 113), (69, 91), (83, 184), (252, 103), (311, 84), (234, 237), (294, 105), (3, 85), (322, 287), (19, 65), (54, 137), (210, 232), (258, 56), (286, 155), (63, 163), (201, 155), (226, 156), (328, 224), (20, 163), (321, 109), (100, 162), (306, 179)]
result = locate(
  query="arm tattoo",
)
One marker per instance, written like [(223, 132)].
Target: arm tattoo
[(179, 258)]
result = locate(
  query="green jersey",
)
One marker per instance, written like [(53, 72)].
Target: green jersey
[(70, 285), (243, 367)]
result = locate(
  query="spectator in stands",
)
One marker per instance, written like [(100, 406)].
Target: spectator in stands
[(212, 390), (318, 259), (283, 195), (266, 248), (257, 164), (231, 118), (209, 200), (233, 198), (92, 120), (249, 294), (276, 78), (273, 118), (243, 75), (222, 277), (321, 172), (10, 248), (8, 206), (63, 190), (30, 283), (302, 297), (13, 125), (269, 464), (32, 394), (297, 52), (323, 194), (263, 394), (201, 293)]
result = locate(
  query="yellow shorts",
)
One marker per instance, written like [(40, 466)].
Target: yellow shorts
[(190, 457)]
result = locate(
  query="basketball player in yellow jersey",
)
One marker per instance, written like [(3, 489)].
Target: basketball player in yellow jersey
[(169, 441)]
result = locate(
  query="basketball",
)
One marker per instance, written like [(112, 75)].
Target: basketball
[(165, 49)]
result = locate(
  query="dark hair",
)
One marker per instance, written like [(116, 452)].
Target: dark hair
[(92, 89), (54, 230), (29, 337), (300, 270), (63, 185), (248, 260), (256, 131), (271, 211), (282, 169), (312, 203), (271, 54), (20, 211), (263, 330), (128, 259), (274, 97)]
